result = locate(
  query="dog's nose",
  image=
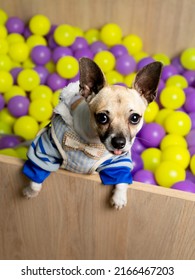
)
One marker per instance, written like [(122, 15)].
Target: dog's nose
[(118, 142)]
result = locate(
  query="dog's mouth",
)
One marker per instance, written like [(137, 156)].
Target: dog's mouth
[(117, 152)]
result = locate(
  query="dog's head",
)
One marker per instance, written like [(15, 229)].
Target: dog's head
[(117, 111)]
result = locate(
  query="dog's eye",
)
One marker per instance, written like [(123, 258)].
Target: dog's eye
[(134, 118), (102, 118)]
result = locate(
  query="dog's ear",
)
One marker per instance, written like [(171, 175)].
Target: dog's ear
[(147, 80), (92, 79)]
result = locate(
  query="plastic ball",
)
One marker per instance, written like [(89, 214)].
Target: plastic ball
[(111, 34), (192, 117), (129, 79), (172, 97), (36, 40), (97, 47), (9, 152), (6, 81), (41, 92), (163, 58), (22, 152), (178, 81), (192, 164), (177, 123), (173, 140), (14, 91), (26, 127), (6, 117), (137, 163), (190, 138), (169, 173), (187, 58), (83, 53), (176, 154), (4, 47), (18, 106), (39, 25), (137, 147), (162, 115), (2, 102), (19, 52), (28, 79), (59, 52), (15, 25), (5, 128), (55, 81), (133, 43), (3, 17), (3, 30), (125, 64), (118, 50), (67, 67), (5, 62), (55, 97), (140, 55), (143, 62), (43, 73), (151, 158), (192, 150), (9, 141), (189, 105), (189, 75), (185, 185), (40, 110), (151, 135), (50, 66), (105, 60), (92, 35), (144, 176), (168, 71), (114, 77), (79, 44), (151, 112), (64, 35), (40, 55)]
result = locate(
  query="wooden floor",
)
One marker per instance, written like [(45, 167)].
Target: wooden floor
[(72, 219)]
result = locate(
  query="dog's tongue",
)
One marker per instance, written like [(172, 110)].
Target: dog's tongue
[(117, 152)]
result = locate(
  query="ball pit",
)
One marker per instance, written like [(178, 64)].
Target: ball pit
[(38, 59)]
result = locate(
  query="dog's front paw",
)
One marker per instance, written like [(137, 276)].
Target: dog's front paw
[(119, 199), (28, 192)]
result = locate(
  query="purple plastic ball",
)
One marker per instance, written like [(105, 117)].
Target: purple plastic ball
[(144, 61), (83, 53), (18, 106), (51, 42), (190, 77), (190, 176), (151, 135), (60, 52), (74, 79), (40, 55), (168, 71), (43, 73), (27, 32), (98, 46), (55, 82), (15, 25), (192, 150), (118, 50), (144, 176), (186, 186), (125, 64), (2, 102), (9, 142), (137, 162), (189, 90), (79, 44), (137, 147), (190, 138), (176, 62), (14, 72), (192, 117), (189, 105)]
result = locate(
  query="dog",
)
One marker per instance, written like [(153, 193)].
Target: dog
[(93, 129)]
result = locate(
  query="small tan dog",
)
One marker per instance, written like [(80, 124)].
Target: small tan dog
[(93, 129)]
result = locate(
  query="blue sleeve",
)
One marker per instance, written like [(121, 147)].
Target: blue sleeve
[(34, 172)]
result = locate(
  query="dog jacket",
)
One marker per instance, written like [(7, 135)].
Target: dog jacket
[(58, 145)]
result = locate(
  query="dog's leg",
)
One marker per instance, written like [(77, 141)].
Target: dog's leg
[(119, 197), (32, 190)]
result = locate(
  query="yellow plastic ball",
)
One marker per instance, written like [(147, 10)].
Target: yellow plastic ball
[(129, 79), (151, 112), (9, 152), (5, 128), (92, 35), (162, 115), (172, 97), (178, 81), (44, 124), (36, 40), (19, 52), (40, 110), (176, 154), (163, 58), (105, 60), (26, 127), (64, 35), (188, 58), (114, 77), (133, 43), (111, 34), (169, 173), (55, 97), (22, 152), (41, 92), (28, 79), (173, 140), (50, 66), (40, 25), (14, 91), (14, 38), (6, 81), (151, 158), (67, 67), (78, 31), (5, 62), (178, 123), (192, 164), (3, 32), (4, 47), (140, 55), (28, 63), (6, 117), (3, 17)]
